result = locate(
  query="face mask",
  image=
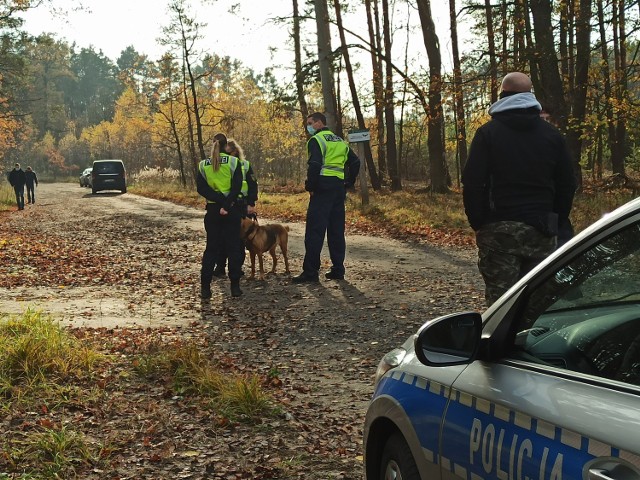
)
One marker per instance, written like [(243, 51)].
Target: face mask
[(311, 130), (17, 168)]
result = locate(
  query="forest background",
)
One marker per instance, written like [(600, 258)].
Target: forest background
[(61, 107)]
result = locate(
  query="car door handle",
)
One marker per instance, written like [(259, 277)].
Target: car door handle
[(599, 474), (613, 471)]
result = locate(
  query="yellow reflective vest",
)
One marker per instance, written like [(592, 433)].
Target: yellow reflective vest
[(244, 164), (220, 180), (334, 153)]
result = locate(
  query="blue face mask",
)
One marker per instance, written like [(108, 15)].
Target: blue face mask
[(311, 130)]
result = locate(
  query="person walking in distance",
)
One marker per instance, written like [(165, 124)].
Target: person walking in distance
[(17, 179), (518, 187), (332, 168), (219, 181), (31, 182)]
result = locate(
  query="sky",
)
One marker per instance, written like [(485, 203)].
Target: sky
[(248, 34)]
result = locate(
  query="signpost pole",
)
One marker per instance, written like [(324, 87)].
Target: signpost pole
[(364, 189), (359, 137)]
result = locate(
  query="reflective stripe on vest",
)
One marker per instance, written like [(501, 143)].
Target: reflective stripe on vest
[(334, 153), (220, 180)]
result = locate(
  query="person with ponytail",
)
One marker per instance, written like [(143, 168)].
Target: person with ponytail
[(219, 181)]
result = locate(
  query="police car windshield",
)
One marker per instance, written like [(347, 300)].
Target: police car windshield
[(608, 273)]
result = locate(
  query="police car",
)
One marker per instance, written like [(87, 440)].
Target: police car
[(544, 385)]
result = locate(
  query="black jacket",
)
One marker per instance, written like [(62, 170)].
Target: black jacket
[(518, 169), (17, 178), (31, 178)]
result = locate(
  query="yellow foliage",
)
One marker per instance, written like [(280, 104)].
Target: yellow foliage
[(9, 128)]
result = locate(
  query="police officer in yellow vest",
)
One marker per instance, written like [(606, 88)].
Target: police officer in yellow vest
[(332, 168), (249, 189), (248, 196), (219, 180)]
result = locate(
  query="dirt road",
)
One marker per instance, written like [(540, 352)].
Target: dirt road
[(110, 260)]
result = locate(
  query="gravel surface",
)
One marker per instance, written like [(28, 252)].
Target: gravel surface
[(120, 260)]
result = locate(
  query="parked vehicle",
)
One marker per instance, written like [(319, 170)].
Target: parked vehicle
[(85, 177), (108, 175), (545, 384)]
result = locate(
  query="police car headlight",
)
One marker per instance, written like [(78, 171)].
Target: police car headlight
[(389, 361)]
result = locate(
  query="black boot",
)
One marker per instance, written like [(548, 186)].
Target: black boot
[(205, 292), (235, 288)]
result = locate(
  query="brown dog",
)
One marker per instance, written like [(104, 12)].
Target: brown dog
[(264, 238)]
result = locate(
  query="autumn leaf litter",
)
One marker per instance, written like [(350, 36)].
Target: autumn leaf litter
[(123, 271)]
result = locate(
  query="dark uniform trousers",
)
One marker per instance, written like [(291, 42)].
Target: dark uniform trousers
[(223, 235), (325, 214)]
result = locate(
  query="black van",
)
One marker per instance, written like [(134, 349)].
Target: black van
[(108, 175)]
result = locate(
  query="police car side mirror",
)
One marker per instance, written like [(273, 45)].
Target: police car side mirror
[(449, 340)]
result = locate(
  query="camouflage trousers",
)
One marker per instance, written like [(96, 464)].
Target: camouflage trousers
[(506, 252)]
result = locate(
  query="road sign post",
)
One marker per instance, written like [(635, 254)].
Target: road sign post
[(359, 137)]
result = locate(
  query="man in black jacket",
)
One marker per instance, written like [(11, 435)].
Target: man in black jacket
[(17, 179), (32, 182), (518, 185)]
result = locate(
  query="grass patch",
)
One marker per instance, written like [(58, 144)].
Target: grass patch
[(236, 397), (7, 197), (36, 352), (43, 368), (55, 452), (80, 400)]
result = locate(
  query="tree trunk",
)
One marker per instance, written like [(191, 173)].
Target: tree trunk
[(392, 153), (197, 113), (339, 130), (493, 67), (532, 55), (583, 55), (606, 78), (302, 101), (191, 143), (550, 93), (519, 44), (620, 48), (461, 131), (435, 141), (324, 60), (402, 163), (563, 44), (504, 27), (373, 24), (375, 181), (187, 39)]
